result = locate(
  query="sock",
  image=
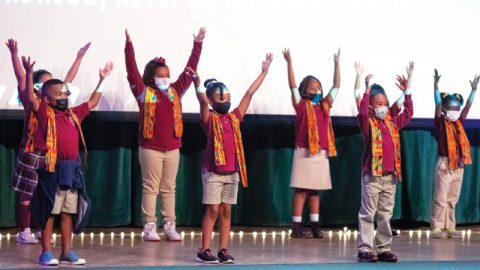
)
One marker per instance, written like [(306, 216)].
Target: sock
[(314, 217), (297, 219)]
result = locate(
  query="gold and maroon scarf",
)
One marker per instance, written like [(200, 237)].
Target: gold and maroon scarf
[(51, 141), (377, 146), (220, 159), (149, 112), (313, 138), (456, 137)]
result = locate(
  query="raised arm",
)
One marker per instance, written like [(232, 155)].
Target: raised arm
[(471, 97), (184, 80), (363, 110), (243, 106), (332, 94), (31, 97), (97, 94), (133, 75), (201, 96), (404, 84), (357, 95), (72, 72), (436, 94), (291, 77), (17, 65)]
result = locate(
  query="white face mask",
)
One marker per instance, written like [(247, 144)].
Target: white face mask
[(162, 83), (381, 112), (452, 116)]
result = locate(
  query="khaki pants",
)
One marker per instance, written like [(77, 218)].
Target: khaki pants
[(378, 198), (448, 184), (159, 173)]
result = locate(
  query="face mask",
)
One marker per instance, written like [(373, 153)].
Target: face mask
[(162, 83), (315, 98), (381, 112), (452, 116), (222, 108), (62, 104)]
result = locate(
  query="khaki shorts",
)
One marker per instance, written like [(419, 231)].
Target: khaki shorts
[(66, 201), (219, 188)]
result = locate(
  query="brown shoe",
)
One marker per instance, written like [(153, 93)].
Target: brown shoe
[(387, 256), (367, 257)]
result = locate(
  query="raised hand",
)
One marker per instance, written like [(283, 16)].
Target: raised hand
[(27, 64), (336, 57), (367, 82), (12, 46), (200, 36), (107, 69), (359, 68), (127, 36), (402, 82), (436, 76), (192, 73), (286, 55), (410, 68), (266, 63), (83, 50), (474, 82)]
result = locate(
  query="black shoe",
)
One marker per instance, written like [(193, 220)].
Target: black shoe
[(225, 257), (206, 257), (315, 227), (299, 232), (395, 234), (367, 257), (387, 256)]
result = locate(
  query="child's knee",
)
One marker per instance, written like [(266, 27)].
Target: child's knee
[(225, 211), (212, 211)]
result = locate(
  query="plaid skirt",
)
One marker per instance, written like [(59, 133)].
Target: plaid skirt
[(25, 177)]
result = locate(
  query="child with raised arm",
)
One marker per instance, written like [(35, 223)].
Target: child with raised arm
[(314, 145), (453, 155), (25, 178), (160, 130), (381, 167), (224, 161), (61, 187)]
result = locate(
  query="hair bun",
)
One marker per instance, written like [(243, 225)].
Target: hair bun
[(210, 82)]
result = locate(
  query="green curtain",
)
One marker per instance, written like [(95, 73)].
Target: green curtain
[(115, 188)]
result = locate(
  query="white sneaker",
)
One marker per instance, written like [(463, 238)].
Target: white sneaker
[(170, 232), (39, 237), (437, 233), (150, 232), (452, 233), (26, 237)]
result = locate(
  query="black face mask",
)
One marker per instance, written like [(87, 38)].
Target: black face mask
[(221, 108), (62, 104)]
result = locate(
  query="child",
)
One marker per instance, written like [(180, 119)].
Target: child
[(224, 161), (160, 131), (395, 109), (61, 190), (25, 178), (454, 153), (381, 167), (314, 144)]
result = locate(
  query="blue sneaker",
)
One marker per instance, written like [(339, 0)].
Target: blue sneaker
[(46, 258), (72, 259)]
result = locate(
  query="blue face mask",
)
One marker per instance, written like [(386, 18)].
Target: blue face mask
[(316, 98)]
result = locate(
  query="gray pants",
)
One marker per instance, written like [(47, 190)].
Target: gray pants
[(448, 184), (378, 198)]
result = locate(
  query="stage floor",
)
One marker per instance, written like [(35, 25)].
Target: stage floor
[(248, 248)]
